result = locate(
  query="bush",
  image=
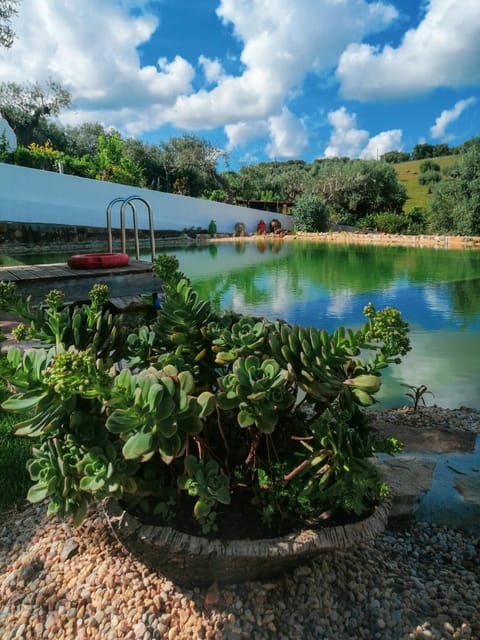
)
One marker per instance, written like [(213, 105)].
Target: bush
[(310, 214), (429, 165), (416, 221), (198, 410), (429, 178), (390, 223)]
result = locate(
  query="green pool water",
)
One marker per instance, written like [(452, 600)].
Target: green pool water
[(328, 285)]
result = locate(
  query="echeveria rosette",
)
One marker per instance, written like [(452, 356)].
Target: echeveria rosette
[(156, 411), (258, 390)]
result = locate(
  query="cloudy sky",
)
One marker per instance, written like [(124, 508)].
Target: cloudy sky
[(263, 79)]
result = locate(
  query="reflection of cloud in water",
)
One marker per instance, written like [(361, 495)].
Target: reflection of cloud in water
[(276, 307), (436, 302), (447, 363), (339, 304)]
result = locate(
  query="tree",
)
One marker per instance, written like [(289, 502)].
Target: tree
[(28, 106), (189, 165), (455, 204), (82, 140), (310, 214), (393, 157), (422, 151), (149, 158), (356, 188), (112, 165), (8, 9), (429, 173)]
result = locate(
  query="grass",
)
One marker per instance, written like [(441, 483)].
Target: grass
[(14, 453), (408, 172)]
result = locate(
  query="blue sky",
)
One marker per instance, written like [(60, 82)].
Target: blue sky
[(261, 79)]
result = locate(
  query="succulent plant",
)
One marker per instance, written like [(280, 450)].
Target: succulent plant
[(196, 404)]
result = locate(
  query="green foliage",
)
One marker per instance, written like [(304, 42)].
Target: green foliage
[(421, 151), (209, 485), (392, 157), (357, 188), (112, 164), (429, 165), (166, 267), (28, 106), (417, 394), (198, 404), (390, 222), (455, 204), (429, 177), (416, 221), (8, 9), (14, 453), (310, 213)]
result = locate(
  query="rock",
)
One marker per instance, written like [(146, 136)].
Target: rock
[(70, 548), (408, 477)]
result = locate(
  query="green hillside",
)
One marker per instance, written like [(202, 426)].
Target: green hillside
[(408, 172)]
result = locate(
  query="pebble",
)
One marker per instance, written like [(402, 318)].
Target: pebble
[(422, 582)]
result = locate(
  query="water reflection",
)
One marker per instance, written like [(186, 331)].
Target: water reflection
[(326, 285)]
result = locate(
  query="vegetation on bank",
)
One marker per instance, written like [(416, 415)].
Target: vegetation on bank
[(400, 193)]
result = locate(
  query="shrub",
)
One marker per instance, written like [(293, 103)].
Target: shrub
[(197, 408), (390, 222), (429, 178), (429, 165), (416, 221), (310, 214)]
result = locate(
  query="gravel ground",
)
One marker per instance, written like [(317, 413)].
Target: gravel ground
[(61, 583)]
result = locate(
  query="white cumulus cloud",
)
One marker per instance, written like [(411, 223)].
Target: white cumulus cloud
[(381, 143), (347, 140), (92, 48), (212, 69), (443, 51), (438, 130), (288, 136)]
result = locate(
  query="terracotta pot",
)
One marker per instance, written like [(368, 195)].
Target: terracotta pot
[(192, 560)]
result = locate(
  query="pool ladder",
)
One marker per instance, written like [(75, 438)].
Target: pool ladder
[(129, 202)]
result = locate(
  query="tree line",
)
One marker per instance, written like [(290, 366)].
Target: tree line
[(325, 192)]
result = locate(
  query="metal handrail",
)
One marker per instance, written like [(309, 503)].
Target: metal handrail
[(129, 201)]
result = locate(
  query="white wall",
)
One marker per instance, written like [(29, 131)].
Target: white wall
[(33, 196)]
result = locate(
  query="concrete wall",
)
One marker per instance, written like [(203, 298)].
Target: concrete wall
[(34, 196)]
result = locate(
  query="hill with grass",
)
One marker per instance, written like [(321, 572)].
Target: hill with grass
[(408, 173)]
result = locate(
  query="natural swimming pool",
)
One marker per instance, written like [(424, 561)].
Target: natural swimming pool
[(327, 285)]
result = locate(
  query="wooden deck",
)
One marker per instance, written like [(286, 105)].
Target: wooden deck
[(124, 282)]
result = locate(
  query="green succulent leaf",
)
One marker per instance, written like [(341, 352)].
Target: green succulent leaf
[(245, 419), (138, 445)]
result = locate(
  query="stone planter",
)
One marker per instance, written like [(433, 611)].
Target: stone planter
[(192, 560)]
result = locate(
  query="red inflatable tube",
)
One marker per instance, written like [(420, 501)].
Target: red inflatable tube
[(98, 260)]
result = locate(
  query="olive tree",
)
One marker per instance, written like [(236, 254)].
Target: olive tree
[(455, 204), (356, 188), (8, 9), (28, 106), (189, 165)]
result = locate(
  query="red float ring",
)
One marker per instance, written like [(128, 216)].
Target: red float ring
[(98, 260)]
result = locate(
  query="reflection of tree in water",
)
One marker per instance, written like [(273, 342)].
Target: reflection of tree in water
[(250, 281), (339, 267), (465, 300), (438, 265), (352, 268)]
